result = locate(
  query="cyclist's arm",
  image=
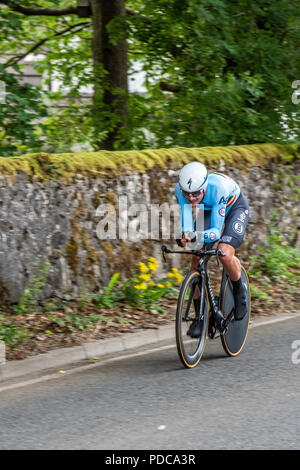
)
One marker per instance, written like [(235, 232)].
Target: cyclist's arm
[(187, 224), (217, 199), (217, 220)]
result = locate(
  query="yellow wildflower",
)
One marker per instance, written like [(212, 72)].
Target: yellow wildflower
[(160, 285), (178, 277), (143, 268), (145, 277), (152, 265), (169, 284), (141, 286), (151, 283), (175, 274)]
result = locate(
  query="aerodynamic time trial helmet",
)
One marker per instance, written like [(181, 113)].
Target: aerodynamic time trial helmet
[(193, 178)]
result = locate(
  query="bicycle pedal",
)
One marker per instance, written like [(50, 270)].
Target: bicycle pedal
[(223, 328), (223, 332), (211, 326)]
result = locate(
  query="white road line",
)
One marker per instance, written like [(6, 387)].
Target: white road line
[(101, 362)]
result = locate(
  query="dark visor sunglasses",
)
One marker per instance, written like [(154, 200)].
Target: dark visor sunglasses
[(194, 194)]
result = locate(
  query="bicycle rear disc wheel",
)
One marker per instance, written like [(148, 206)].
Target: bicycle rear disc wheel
[(234, 339), (189, 349)]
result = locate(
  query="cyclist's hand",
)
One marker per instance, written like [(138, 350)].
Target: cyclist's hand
[(181, 242), (189, 237)]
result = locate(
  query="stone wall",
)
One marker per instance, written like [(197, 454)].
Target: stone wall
[(55, 219)]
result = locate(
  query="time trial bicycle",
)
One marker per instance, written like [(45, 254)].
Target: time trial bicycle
[(214, 313)]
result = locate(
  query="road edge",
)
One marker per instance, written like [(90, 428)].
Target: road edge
[(100, 350)]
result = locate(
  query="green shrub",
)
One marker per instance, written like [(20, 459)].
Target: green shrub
[(278, 260), (30, 299), (141, 290), (74, 322), (11, 333), (109, 297)]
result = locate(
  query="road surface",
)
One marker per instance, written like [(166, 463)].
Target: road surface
[(152, 402)]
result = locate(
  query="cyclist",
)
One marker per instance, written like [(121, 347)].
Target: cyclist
[(223, 204)]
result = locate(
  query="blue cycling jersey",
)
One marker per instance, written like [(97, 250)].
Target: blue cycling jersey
[(222, 193)]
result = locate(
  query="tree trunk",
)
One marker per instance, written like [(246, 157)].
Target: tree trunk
[(110, 69)]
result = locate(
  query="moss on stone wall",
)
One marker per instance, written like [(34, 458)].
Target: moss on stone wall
[(110, 164), (72, 251)]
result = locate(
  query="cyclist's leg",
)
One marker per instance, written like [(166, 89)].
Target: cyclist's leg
[(230, 262), (235, 223), (232, 237)]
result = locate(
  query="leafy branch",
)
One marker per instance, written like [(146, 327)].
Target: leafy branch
[(70, 29), (40, 11), (71, 10)]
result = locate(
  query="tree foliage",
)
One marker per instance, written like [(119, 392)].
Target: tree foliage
[(231, 64), (22, 105), (217, 72)]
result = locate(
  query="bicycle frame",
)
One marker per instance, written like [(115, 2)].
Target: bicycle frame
[(204, 256), (212, 313)]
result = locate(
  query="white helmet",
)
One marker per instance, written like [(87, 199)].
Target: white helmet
[(193, 177)]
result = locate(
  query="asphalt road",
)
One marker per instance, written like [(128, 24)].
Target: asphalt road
[(151, 402)]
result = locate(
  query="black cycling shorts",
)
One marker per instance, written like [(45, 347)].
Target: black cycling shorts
[(235, 223)]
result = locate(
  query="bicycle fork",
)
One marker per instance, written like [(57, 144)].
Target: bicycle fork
[(221, 323), (198, 304)]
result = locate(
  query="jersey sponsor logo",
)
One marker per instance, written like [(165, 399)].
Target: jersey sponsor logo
[(226, 238), (227, 200), (242, 217), (223, 200), (238, 227), (222, 212), (212, 235)]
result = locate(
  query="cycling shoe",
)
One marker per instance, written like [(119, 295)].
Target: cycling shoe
[(240, 294)]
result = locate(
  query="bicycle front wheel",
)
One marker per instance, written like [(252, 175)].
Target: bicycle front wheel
[(190, 350)]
